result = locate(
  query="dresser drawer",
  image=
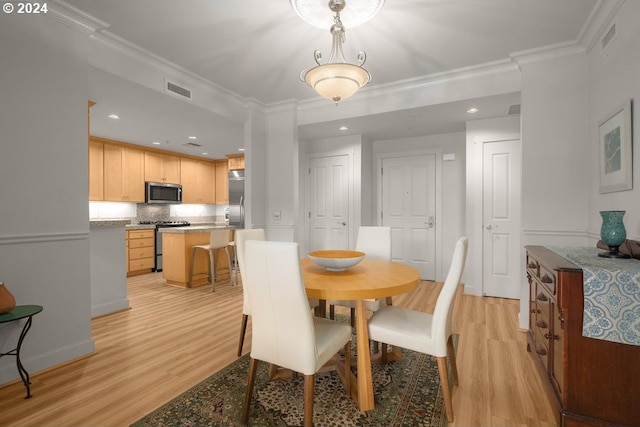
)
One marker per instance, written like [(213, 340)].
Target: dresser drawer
[(140, 264), (141, 243), (533, 266), (548, 279), (141, 234), (137, 253)]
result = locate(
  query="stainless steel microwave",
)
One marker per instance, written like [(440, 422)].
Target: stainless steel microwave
[(162, 192)]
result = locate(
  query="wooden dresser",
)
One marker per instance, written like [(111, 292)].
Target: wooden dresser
[(593, 382)]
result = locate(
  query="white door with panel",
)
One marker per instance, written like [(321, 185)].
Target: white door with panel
[(328, 192), (409, 208), (501, 218)]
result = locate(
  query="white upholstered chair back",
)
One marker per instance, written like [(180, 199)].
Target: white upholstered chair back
[(441, 322), (241, 237), (282, 325), (375, 241)]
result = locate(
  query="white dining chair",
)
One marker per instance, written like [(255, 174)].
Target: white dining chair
[(240, 238), (218, 240), (424, 332), (375, 242), (284, 332)]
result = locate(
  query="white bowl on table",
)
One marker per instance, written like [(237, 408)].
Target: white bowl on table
[(336, 260)]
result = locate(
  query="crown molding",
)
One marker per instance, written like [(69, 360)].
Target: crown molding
[(75, 18), (546, 53), (127, 48), (599, 21)]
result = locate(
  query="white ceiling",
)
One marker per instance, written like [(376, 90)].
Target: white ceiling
[(257, 49)]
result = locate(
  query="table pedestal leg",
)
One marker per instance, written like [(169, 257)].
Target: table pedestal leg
[(365, 381)]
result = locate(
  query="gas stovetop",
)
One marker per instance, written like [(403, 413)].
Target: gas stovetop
[(166, 223)]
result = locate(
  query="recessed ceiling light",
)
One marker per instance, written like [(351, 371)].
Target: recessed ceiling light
[(343, 128), (156, 143), (241, 149), (113, 116), (472, 110), (205, 154), (193, 137)]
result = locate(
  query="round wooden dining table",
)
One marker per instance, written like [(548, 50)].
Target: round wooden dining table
[(369, 279)]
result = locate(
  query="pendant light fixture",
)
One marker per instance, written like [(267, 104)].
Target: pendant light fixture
[(337, 79)]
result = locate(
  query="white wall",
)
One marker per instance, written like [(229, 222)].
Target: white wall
[(614, 76), (555, 157), (44, 232), (450, 215), (281, 182)]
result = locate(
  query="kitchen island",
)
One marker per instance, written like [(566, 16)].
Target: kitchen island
[(177, 249)]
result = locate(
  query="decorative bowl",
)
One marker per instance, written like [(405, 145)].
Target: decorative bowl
[(336, 260)]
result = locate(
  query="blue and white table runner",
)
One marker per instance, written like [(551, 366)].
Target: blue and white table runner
[(611, 294)]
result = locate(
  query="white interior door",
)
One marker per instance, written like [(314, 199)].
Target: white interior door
[(501, 218), (409, 208), (328, 190)]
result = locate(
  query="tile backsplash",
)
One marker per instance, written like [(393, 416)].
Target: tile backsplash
[(143, 212)]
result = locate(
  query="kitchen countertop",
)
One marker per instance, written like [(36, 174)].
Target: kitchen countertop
[(140, 227), (194, 229), (102, 223)]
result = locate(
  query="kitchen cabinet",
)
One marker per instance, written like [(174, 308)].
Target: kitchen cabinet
[(140, 251), (123, 174), (198, 179), (222, 183), (236, 161), (592, 382), (161, 167), (96, 171)]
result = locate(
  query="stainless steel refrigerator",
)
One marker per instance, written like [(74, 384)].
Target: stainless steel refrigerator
[(236, 198)]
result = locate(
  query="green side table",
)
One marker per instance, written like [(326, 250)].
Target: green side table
[(21, 312)]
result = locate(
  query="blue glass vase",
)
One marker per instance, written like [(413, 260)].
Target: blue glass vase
[(613, 233)]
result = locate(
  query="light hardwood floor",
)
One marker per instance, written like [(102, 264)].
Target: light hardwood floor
[(172, 338)]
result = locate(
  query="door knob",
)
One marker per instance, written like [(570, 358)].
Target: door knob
[(342, 223), (491, 227), (430, 222)]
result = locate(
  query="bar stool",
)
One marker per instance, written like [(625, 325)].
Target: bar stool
[(219, 239)]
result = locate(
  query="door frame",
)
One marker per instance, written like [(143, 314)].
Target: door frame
[(438, 191), (352, 225)]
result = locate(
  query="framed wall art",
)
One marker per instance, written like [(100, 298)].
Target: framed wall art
[(615, 145)]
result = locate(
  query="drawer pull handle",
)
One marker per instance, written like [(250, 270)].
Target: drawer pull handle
[(546, 279), (541, 351), (542, 325), (552, 337), (542, 297)]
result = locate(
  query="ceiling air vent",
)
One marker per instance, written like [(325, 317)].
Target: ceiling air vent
[(183, 92), (192, 144), (514, 110), (608, 38)]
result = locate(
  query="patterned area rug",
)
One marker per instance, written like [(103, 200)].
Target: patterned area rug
[(407, 393)]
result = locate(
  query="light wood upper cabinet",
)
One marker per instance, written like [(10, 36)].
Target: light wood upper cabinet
[(198, 179), (161, 168), (236, 161), (222, 183), (96, 170), (123, 174)]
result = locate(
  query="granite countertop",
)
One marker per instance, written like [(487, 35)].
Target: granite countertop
[(194, 229), (140, 227), (103, 223)]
